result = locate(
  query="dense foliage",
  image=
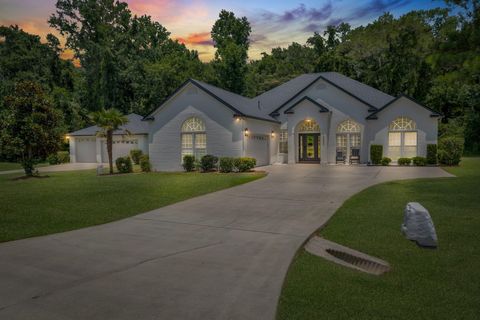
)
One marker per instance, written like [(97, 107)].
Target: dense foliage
[(131, 63), (30, 127)]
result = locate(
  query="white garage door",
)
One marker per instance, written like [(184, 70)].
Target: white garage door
[(120, 148), (257, 147), (86, 150)]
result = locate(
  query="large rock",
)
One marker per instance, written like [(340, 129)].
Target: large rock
[(418, 225)]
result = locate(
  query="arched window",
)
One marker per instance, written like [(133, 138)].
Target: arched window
[(348, 126), (309, 126), (194, 138), (348, 141), (402, 138)]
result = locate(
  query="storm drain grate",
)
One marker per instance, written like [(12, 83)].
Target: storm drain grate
[(346, 256), (367, 265)]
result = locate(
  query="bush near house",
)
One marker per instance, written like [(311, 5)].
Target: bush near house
[(145, 163), (188, 162), (208, 163), (124, 165), (59, 157), (226, 164), (135, 154), (419, 161), (385, 161), (376, 152), (432, 154), (245, 164), (450, 150), (404, 161)]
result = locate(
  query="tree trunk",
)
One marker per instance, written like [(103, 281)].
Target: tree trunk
[(109, 149)]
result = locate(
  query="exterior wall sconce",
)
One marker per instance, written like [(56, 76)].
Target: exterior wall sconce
[(272, 134), (246, 132)]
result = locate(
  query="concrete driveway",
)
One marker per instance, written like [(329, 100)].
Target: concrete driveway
[(220, 256)]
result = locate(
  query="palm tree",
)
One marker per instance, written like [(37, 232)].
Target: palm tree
[(109, 121)]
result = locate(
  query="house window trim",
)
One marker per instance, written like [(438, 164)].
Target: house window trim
[(402, 125), (195, 130)]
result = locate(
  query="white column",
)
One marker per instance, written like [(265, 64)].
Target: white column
[(99, 149), (73, 155)]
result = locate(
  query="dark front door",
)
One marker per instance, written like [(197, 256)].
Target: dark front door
[(309, 147)]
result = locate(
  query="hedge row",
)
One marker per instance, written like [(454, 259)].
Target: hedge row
[(209, 163)]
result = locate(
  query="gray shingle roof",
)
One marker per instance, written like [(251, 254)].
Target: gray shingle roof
[(268, 102), (135, 125), (246, 106), (369, 94)]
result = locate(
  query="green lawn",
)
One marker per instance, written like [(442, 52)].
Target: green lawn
[(424, 283), (72, 200), (6, 166)]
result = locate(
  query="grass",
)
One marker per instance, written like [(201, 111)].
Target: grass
[(73, 200), (424, 284), (6, 166)]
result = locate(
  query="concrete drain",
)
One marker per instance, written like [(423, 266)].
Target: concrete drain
[(346, 256)]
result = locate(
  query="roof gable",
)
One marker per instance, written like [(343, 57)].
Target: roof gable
[(367, 95), (240, 105), (305, 98), (374, 115)]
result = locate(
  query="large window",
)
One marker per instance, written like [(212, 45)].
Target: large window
[(402, 138), (348, 139), (194, 138), (283, 145)]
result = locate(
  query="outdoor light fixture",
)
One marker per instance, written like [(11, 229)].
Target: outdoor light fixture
[(237, 117), (273, 134), (246, 132)]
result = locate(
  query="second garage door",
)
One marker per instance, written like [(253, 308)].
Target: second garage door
[(257, 146)]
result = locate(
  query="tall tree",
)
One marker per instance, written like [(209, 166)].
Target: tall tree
[(30, 127), (231, 38), (109, 121)]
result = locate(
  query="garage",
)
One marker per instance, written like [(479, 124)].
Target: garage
[(257, 146), (86, 149), (120, 148)]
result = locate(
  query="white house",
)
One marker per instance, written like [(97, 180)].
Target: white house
[(314, 118)]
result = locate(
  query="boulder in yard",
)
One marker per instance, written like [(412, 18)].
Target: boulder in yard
[(418, 225)]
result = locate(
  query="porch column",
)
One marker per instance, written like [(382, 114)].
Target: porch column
[(98, 149), (73, 155)]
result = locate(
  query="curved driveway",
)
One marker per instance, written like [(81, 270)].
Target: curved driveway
[(220, 256)]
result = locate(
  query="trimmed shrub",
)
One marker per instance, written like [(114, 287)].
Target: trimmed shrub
[(419, 161), (385, 161), (245, 164), (208, 162), (450, 151), (52, 159), (227, 164), (145, 163), (59, 157), (432, 154), (124, 165), (188, 162), (63, 156), (404, 161), (135, 154), (376, 152)]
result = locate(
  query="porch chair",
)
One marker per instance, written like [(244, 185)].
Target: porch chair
[(340, 157), (355, 156)]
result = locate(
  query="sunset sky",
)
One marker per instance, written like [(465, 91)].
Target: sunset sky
[(274, 23)]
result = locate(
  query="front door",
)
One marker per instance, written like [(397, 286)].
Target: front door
[(309, 147)]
